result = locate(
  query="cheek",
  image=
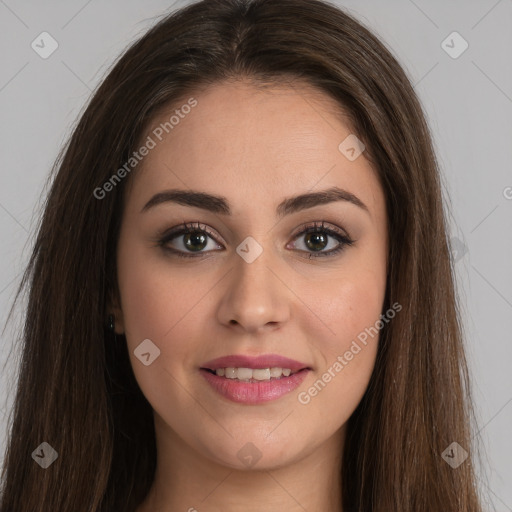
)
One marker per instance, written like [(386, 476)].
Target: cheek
[(349, 307), (350, 296), (154, 298), (166, 308)]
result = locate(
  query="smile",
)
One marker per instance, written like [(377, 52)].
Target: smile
[(253, 386)]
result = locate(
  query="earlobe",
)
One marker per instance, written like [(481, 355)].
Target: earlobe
[(115, 319), (114, 324)]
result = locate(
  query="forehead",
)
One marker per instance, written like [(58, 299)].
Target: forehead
[(241, 139)]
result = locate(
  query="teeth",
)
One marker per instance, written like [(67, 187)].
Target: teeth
[(246, 374)]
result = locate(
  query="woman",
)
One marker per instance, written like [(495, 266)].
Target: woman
[(241, 294)]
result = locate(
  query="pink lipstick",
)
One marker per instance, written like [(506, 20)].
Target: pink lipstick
[(254, 380)]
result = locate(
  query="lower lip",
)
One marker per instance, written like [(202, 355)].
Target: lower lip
[(254, 392)]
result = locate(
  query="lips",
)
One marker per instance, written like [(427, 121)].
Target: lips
[(253, 393), (262, 361)]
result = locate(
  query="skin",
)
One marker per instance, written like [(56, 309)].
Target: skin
[(253, 147)]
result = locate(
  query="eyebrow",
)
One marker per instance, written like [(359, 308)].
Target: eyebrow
[(220, 205)]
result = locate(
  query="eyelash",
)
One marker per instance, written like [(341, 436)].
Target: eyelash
[(314, 227)]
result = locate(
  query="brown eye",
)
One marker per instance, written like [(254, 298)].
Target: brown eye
[(316, 241), (317, 237), (185, 240), (195, 241)]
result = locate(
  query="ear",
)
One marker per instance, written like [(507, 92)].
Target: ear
[(114, 308)]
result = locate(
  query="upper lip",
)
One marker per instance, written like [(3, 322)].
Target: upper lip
[(262, 361)]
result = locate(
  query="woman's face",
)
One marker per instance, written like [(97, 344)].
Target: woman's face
[(253, 285)]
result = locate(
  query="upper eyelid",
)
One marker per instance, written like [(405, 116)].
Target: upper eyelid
[(321, 225)]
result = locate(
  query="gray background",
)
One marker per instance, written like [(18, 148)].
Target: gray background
[(468, 101)]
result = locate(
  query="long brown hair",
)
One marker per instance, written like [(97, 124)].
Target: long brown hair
[(76, 390)]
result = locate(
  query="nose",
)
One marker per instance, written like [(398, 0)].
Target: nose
[(255, 298)]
